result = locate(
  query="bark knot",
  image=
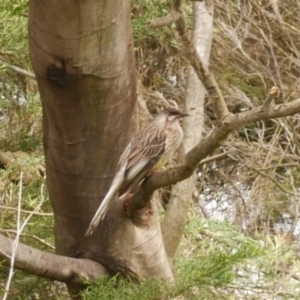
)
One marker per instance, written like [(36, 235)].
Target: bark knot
[(57, 74)]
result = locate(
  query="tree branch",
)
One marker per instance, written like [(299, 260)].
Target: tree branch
[(19, 70), (178, 205), (201, 69), (170, 18), (214, 140), (50, 265), (208, 80)]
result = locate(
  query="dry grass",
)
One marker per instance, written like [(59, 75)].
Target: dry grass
[(257, 46)]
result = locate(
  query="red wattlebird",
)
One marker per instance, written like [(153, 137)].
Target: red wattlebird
[(149, 150)]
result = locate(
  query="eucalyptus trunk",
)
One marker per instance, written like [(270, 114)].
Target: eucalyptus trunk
[(82, 54), (182, 192)]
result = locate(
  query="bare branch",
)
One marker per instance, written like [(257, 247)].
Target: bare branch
[(27, 211), (170, 18), (16, 240), (50, 265), (271, 95), (214, 140), (274, 181), (213, 158), (20, 70), (176, 213), (28, 235), (41, 263), (201, 69)]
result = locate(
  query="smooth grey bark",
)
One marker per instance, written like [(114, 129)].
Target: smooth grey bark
[(181, 194), (37, 262), (82, 55)]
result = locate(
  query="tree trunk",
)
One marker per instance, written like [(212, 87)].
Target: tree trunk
[(181, 195), (82, 54)]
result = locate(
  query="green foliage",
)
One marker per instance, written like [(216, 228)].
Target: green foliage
[(29, 287), (145, 11), (40, 225), (21, 130), (157, 49), (118, 288), (214, 261), (20, 110), (13, 28), (37, 233), (253, 86), (215, 251)]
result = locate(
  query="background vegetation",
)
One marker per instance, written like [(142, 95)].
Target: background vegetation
[(242, 237)]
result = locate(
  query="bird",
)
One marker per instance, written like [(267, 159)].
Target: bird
[(148, 151)]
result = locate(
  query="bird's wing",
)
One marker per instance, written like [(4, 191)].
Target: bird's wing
[(137, 160), (146, 150), (103, 208)]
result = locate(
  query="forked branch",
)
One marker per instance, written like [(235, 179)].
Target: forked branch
[(215, 139), (50, 265), (190, 51)]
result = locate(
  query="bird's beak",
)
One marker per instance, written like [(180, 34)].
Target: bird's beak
[(183, 114)]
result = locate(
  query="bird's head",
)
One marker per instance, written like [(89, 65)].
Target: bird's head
[(172, 114)]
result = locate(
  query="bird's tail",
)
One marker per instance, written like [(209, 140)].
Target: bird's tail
[(105, 204)]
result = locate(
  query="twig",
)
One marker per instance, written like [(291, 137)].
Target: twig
[(214, 140), (273, 180), (22, 72), (170, 18), (30, 236), (271, 95), (27, 211), (214, 93), (203, 208), (213, 158), (15, 243), (19, 70), (50, 265), (5, 254), (19, 231)]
